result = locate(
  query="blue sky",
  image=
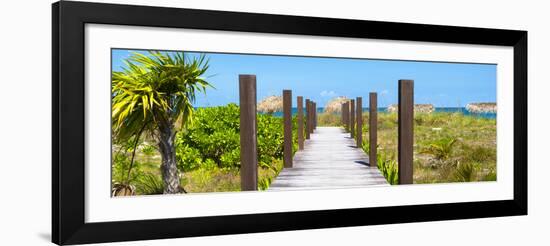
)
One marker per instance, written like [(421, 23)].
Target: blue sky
[(320, 79)]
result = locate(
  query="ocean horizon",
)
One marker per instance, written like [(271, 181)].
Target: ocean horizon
[(462, 110)]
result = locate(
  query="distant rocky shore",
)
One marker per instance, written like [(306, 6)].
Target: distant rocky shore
[(481, 107), (271, 104), (335, 104), (418, 108)]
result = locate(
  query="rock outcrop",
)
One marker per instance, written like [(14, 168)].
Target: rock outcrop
[(335, 105), (418, 108), (271, 104), (481, 107)]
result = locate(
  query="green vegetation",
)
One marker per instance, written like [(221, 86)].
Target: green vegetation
[(329, 119), (208, 154), (388, 168), (449, 147), (440, 149), (151, 95), (162, 145)]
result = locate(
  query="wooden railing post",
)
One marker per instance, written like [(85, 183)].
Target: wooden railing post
[(248, 130), (348, 122), (352, 118), (373, 129), (345, 115), (342, 115), (314, 115), (405, 132), (359, 112), (300, 102), (311, 117), (308, 120), (287, 129)]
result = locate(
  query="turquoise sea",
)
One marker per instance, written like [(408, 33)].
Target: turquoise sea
[(441, 109)]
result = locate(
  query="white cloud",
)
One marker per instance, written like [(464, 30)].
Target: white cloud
[(328, 93), (384, 92)]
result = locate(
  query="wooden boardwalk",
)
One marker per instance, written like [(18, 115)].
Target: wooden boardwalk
[(329, 160)]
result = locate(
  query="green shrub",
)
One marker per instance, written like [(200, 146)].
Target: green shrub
[(465, 172), (149, 184), (329, 119), (441, 149), (148, 149), (270, 138), (490, 176), (211, 179), (388, 168), (268, 172), (478, 153), (442, 141), (120, 167), (188, 158), (387, 121), (213, 135), (366, 147), (213, 140)]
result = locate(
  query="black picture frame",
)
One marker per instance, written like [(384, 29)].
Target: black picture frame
[(68, 172)]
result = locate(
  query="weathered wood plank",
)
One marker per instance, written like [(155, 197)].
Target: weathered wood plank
[(373, 128), (314, 115), (287, 129), (300, 101), (405, 133), (342, 115), (249, 144), (359, 120), (330, 159), (346, 116), (352, 118), (308, 120)]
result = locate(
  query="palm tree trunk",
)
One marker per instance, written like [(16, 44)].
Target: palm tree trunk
[(169, 169)]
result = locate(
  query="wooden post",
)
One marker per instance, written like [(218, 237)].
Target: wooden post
[(373, 129), (405, 133), (344, 121), (346, 115), (352, 118), (342, 114), (311, 117), (359, 112), (307, 119), (249, 154), (287, 129), (300, 105), (314, 115)]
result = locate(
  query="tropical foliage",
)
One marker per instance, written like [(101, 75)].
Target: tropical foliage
[(441, 149), (162, 144), (388, 168), (214, 137), (153, 93), (449, 147), (208, 153)]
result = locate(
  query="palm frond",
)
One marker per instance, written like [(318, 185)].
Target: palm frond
[(156, 87)]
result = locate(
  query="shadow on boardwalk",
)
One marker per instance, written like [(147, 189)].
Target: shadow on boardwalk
[(329, 160)]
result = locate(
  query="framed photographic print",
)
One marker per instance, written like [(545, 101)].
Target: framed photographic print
[(173, 122)]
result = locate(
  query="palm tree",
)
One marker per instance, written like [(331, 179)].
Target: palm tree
[(154, 94)]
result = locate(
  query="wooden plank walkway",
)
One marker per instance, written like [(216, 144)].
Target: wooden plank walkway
[(329, 160)]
